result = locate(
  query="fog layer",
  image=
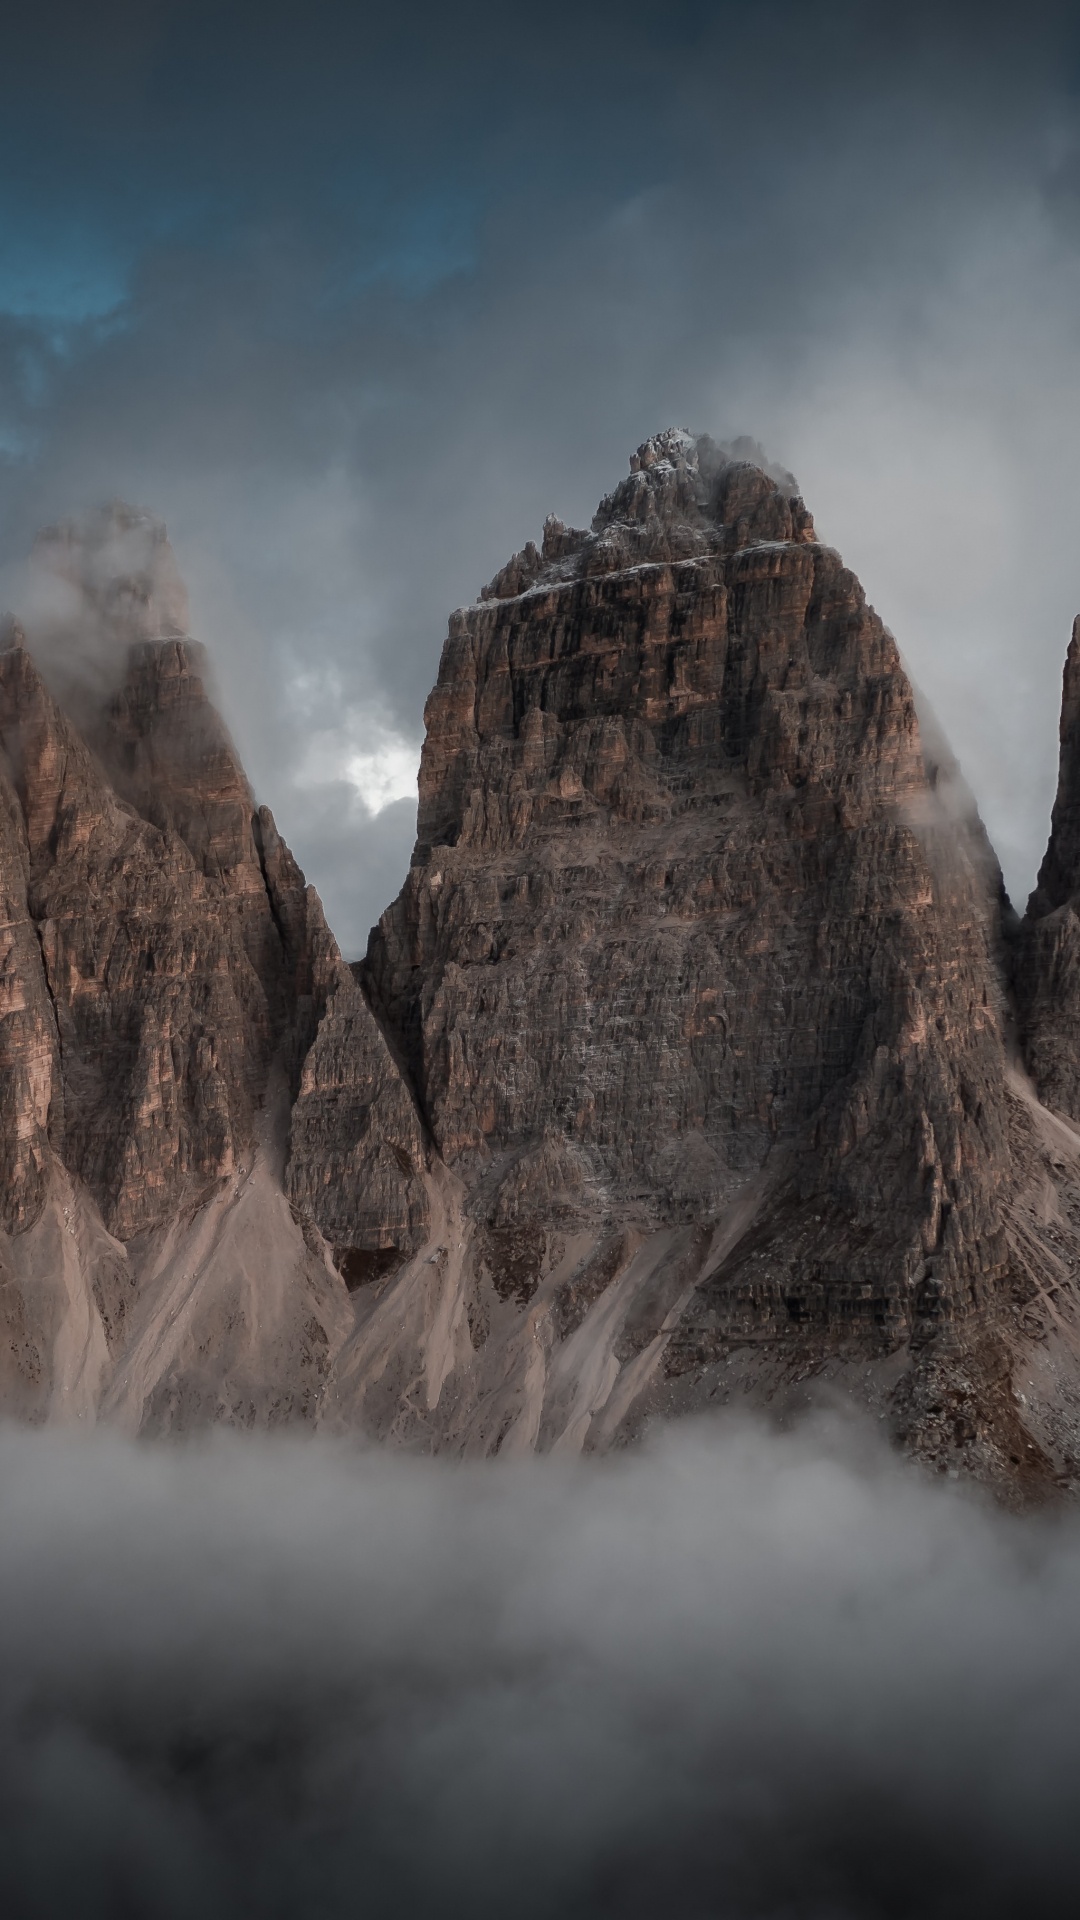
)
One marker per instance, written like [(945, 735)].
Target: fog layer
[(736, 1673)]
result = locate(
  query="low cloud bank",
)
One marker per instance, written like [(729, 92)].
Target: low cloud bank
[(736, 1673)]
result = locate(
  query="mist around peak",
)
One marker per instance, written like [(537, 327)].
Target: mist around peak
[(739, 1672), (95, 586)]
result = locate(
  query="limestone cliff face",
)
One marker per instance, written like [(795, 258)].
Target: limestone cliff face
[(1048, 957), (680, 1069), (685, 904), (31, 1094), (164, 1025), (699, 974), (166, 975)]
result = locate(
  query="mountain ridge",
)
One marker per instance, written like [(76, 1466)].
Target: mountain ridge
[(683, 1065)]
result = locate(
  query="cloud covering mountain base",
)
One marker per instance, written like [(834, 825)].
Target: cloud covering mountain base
[(739, 1672)]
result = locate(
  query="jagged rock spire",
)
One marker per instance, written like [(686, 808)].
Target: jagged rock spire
[(688, 941), (679, 1067), (684, 497), (1059, 875), (1047, 974)]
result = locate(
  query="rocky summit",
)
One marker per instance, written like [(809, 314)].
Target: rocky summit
[(701, 1056)]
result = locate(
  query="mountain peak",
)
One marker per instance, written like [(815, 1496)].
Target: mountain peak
[(117, 562), (686, 496), (681, 1068)]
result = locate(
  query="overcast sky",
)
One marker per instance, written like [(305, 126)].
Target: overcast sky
[(352, 296)]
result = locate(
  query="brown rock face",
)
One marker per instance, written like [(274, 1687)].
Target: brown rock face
[(164, 1025), (686, 903), (679, 1069), (164, 967), (31, 1094), (699, 974), (357, 1153), (1048, 957)]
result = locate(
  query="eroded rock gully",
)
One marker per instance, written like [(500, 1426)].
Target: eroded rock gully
[(699, 1056)]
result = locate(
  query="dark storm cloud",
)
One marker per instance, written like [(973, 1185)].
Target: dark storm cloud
[(391, 289), (739, 1673)]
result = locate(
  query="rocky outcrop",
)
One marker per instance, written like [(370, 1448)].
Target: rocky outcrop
[(682, 1067), (357, 1153), (31, 1094), (1048, 948), (699, 973), (165, 967), (685, 903), (164, 1025)]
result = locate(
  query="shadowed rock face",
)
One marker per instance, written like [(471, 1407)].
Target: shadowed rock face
[(175, 1104), (1048, 957), (679, 1068), (164, 969), (31, 1096), (163, 1027), (686, 903), (699, 976)]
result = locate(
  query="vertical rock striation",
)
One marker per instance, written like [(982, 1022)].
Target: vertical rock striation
[(31, 1089), (681, 1067), (165, 970), (164, 1024), (1048, 955), (687, 904)]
